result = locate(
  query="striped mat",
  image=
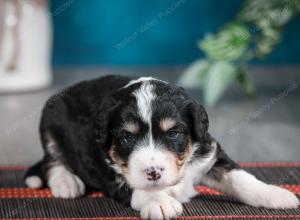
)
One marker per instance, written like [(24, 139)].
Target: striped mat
[(18, 202)]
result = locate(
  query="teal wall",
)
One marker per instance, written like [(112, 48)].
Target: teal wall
[(144, 32)]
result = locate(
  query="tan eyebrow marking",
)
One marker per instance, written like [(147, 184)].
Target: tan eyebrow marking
[(167, 123), (131, 127)]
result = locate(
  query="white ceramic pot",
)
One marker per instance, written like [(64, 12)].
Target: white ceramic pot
[(25, 45)]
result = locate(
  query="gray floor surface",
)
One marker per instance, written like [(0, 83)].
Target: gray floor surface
[(263, 129)]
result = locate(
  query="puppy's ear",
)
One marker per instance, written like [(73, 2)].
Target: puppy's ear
[(198, 120), (102, 113)]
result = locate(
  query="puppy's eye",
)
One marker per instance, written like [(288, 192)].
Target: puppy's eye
[(173, 134), (128, 139)]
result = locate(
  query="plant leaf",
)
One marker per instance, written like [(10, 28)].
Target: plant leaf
[(219, 77), (195, 74), (230, 43)]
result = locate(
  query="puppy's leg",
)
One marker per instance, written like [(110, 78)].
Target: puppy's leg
[(227, 177), (34, 177), (61, 180), (63, 183), (155, 204)]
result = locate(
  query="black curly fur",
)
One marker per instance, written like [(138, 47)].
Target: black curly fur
[(82, 119)]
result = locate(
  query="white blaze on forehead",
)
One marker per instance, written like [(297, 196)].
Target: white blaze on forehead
[(144, 96), (141, 79)]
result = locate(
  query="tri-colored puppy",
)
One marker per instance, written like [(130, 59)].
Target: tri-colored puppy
[(142, 142)]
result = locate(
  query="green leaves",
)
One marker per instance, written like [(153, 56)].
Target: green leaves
[(219, 77), (216, 73), (253, 34), (213, 77), (230, 43), (269, 17), (274, 13)]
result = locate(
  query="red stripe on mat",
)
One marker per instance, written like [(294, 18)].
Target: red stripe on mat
[(45, 193), (182, 217), (14, 167), (242, 164), (269, 164), (241, 217), (34, 193), (209, 191)]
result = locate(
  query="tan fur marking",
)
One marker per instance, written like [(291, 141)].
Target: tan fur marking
[(131, 127), (180, 161), (122, 164), (167, 123)]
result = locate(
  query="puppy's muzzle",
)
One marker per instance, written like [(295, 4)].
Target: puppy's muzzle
[(154, 173)]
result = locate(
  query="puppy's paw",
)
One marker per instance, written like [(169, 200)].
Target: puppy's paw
[(162, 208), (279, 198), (66, 185), (182, 193), (33, 182)]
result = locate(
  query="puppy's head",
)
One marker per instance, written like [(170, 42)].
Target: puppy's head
[(154, 128)]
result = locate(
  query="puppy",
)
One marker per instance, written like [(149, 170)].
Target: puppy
[(142, 142)]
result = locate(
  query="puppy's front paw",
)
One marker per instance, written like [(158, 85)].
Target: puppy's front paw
[(279, 198), (65, 185), (161, 208)]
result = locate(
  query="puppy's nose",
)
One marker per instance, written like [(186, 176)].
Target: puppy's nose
[(154, 173)]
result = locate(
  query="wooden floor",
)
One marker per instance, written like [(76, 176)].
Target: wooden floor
[(264, 129)]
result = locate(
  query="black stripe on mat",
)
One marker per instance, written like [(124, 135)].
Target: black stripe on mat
[(63, 208), (273, 175), (12, 179), (206, 205)]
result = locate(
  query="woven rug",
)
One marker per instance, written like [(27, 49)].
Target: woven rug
[(16, 201)]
